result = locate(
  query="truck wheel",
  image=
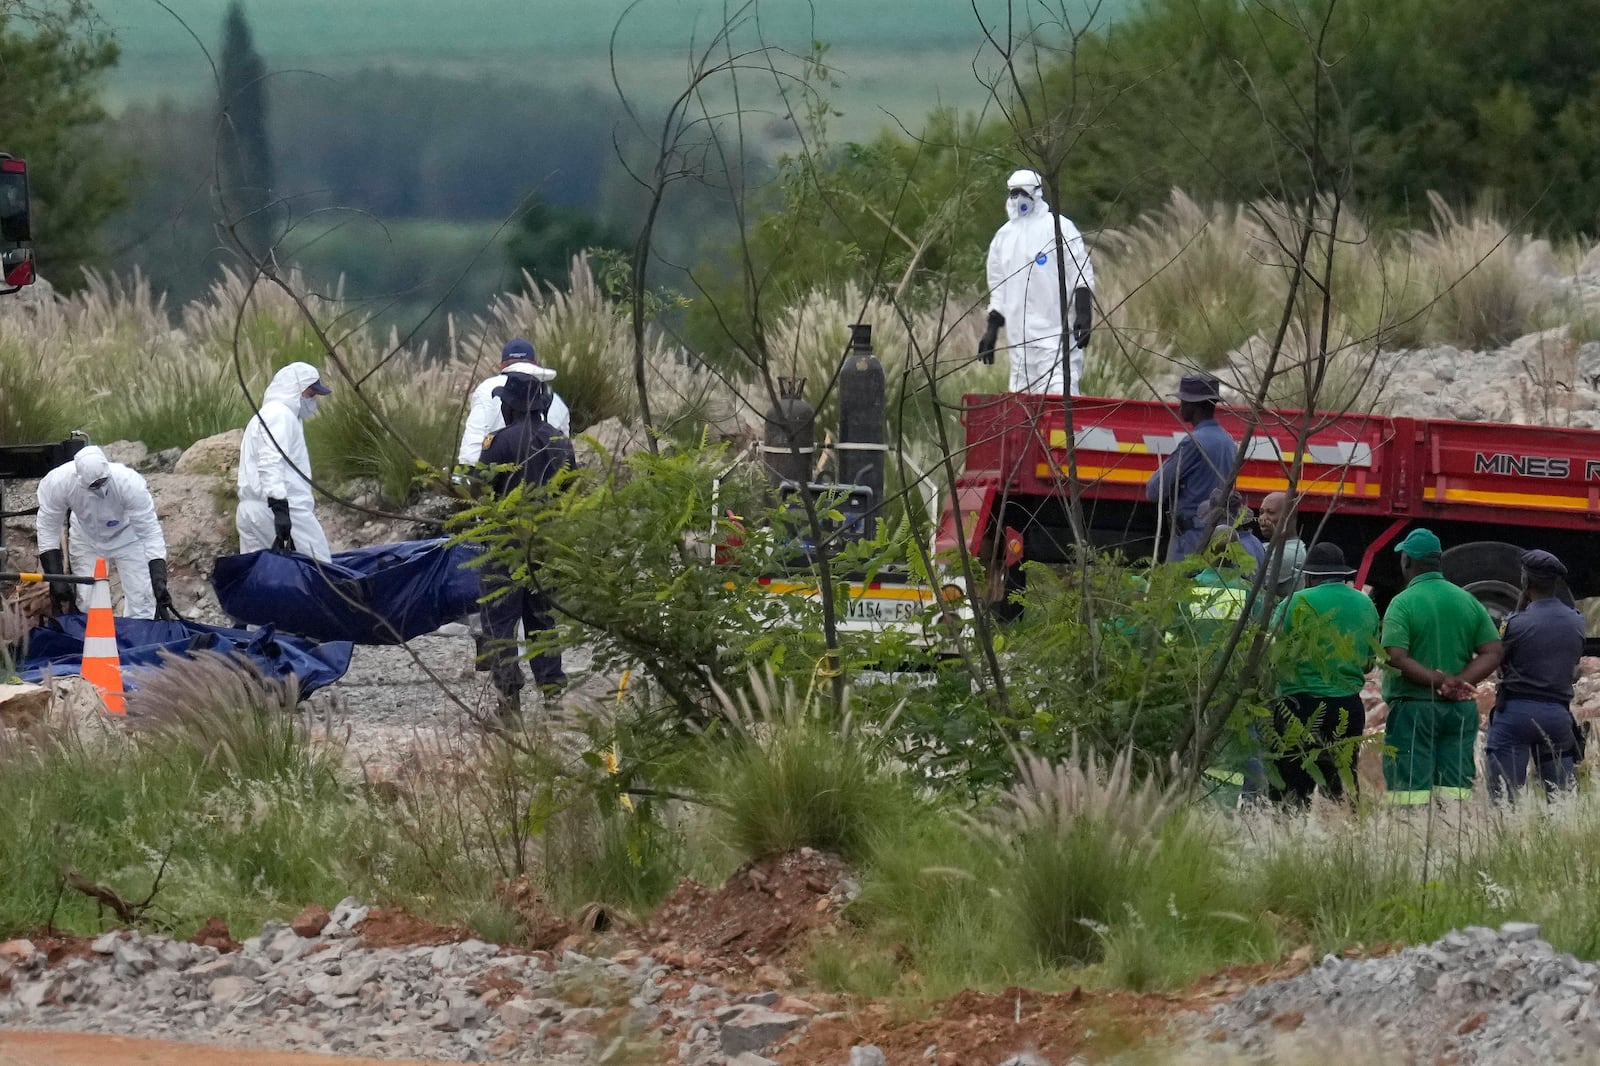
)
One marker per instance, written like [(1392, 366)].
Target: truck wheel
[(1489, 569)]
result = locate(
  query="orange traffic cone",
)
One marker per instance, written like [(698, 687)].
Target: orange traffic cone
[(102, 666)]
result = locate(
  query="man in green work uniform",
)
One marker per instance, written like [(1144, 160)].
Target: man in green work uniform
[(1327, 640), (1440, 642)]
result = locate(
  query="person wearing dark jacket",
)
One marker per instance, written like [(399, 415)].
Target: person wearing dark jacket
[(1198, 468), (1543, 642), (529, 451)]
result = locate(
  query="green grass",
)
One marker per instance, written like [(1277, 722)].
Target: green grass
[(794, 774), (33, 406), (249, 822)]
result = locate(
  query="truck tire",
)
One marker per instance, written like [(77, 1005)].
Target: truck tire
[(1489, 569)]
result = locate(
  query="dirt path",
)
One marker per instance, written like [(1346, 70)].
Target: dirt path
[(81, 1049)]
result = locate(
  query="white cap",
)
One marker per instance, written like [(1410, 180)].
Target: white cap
[(534, 370)]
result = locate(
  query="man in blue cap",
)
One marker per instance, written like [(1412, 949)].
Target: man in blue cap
[(526, 453), (483, 413), (1200, 467), (1440, 642), (1533, 718)]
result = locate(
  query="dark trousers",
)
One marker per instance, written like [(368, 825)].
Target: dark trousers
[(1323, 721), (501, 614), (1524, 729)]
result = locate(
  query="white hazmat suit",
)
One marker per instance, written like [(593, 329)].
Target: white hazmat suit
[(484, 417), (116, 522), (1025, 287), (274, 464)]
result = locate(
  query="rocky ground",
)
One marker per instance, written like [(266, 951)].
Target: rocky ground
[(695, 989), (702, 985), (1477, 995)]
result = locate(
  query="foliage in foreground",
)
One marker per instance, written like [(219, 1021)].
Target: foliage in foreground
[(795, 772), (1083, 872), (220, 798)]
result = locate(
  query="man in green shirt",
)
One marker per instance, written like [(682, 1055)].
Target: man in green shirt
[(1440, 642), (1326, 641)]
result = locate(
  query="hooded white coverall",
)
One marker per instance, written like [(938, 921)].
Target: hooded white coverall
[(484, 417), (273, 441), (116, 522), (1025, 287)]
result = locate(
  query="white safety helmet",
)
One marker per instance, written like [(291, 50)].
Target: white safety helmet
[(92, 467)]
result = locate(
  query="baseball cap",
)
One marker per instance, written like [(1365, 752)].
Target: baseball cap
[(1420, 543), (518, 348)]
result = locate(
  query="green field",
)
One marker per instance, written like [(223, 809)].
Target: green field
[(896, 58)]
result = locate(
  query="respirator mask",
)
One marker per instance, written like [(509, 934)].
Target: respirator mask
[(1020, 203)]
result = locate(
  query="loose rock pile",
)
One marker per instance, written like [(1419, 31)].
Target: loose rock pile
[(1477, 995), (331, 992)]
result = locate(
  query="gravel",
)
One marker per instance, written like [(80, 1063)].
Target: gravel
[(395, 698), (331, 993), (1477, 995)]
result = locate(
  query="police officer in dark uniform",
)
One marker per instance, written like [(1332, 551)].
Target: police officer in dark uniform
[(1543, 642), (527, 452)]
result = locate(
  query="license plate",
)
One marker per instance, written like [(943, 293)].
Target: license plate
[(873, 610)]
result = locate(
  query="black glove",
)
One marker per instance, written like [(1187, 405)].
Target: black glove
[(991, 336), (63, 599), (158, 584), (1082, 318), (282, 526)]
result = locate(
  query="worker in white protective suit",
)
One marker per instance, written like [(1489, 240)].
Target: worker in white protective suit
[(484, 417), (276, 502), (1025, 286), (113, 518)]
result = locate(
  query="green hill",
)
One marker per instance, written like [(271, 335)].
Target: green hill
[(896, 58)]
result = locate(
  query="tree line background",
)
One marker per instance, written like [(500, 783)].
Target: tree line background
[(425, 190)]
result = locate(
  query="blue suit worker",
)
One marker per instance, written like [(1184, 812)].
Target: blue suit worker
[(1533, 718), (1200, 467), (529, 451)]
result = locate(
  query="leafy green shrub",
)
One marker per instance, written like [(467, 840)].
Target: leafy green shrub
[(625, 548), (1137, 678)]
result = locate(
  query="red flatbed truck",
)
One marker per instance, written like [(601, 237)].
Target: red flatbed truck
[(1490, 491)]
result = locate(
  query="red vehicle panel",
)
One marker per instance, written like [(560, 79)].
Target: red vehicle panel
[(1363, 477)]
